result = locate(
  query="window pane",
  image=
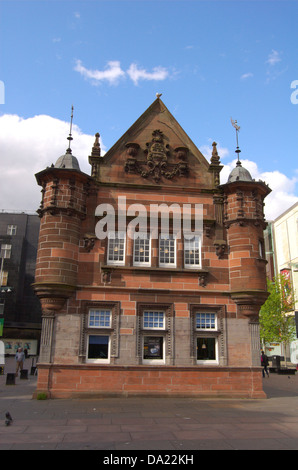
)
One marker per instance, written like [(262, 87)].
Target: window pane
[(100, 318), (206, 349), (153, 347), (3, 278), (142, 249), (98, 347), (192, 251), (116, 248), (153, 319), (167, 249), (11, 230), (205, 321), (5, 251)]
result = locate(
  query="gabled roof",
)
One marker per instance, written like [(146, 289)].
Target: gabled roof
[(159, 114), (155, 150)]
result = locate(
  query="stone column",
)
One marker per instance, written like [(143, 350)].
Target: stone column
[(254, 327), (48, 319)]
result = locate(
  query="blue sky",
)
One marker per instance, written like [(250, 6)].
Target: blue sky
[(211, 60)]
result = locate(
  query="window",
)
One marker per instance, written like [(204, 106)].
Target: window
[(206, 349), (98, 345), (206, 345), (192, 252), (11, 229), (208, 334), (116, 248), (155, 333), (5, 251), (142, 249), (99, 318), (206, 337), (153, 350), (167, 250), (205, 321), (99, 334), (98, 348), (262, 249), (153, 345), (152, 319), (4, 277)]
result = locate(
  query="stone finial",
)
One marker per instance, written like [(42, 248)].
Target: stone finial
[(96, 146), (215, 160)]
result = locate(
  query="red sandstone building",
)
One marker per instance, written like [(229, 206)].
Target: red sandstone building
[(160, 313)]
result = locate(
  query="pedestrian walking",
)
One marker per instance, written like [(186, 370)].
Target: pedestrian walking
[(264, 364), (20, 357)]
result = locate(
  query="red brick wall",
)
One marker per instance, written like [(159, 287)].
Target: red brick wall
[(200, 382), (245, 225), (58, 248)]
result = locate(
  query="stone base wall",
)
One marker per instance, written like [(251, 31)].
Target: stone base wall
[(62, 381)]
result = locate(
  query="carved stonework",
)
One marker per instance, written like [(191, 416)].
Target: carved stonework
[(106, 275), (89, 241), (220, 248), (132, 151), (53, 296), (250, 311), (54, 187), (249, 303), (203, 279), (215, 165), (95, 158), (51, 304), (157, 164), (57, 210), (208, 228)]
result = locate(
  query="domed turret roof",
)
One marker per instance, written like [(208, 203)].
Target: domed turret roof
[(68, 161), (239, 174)]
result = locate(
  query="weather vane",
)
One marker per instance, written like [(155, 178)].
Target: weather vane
[(235, 125), (69, 138)]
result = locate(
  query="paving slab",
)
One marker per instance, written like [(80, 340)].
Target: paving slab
[(129, 425)]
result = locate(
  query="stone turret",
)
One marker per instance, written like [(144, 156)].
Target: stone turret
[(245, 223), (62, 209)]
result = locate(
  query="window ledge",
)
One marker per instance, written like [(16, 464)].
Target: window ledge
[(153, 331), (99, 329), (156, 269), (202, 273)]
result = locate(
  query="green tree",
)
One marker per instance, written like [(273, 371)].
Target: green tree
[(276, 323)]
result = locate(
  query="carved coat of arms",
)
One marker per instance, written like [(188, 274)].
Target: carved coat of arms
[(157, 159)]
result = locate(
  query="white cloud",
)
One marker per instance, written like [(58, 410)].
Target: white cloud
[(246, 75), (274, 71), (273, 58), (113, 73), (29, 146), (136, 74)]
